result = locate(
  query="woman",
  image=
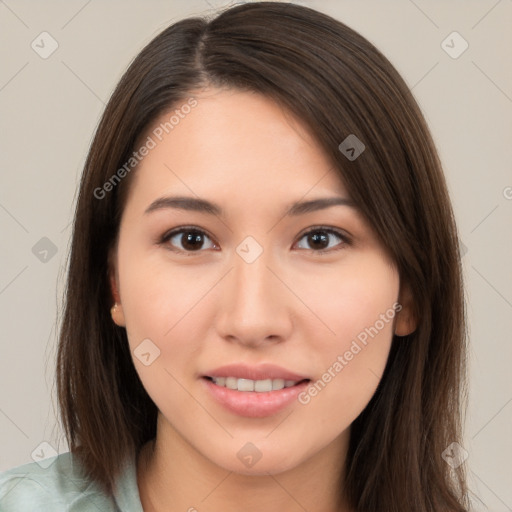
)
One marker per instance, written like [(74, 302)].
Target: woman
[(264, 302)]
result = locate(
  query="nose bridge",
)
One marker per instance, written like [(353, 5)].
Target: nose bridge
[(252, 280), (253, 303)]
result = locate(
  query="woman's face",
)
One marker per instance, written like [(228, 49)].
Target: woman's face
[(247, 286)]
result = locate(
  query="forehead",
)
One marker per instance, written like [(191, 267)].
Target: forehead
[(236, 146)]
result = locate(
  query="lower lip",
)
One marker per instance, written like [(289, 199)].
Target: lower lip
[(253, 404)]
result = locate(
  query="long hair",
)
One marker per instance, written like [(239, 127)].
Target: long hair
[(338, 84)]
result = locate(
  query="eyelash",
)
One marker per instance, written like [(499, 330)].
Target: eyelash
[(324, 229)]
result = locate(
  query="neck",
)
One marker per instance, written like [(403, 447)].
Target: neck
[(173, 476)]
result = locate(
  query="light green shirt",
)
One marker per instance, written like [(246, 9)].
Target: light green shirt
[(62, 487)]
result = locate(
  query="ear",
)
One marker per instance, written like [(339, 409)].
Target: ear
[(405, 320), (117, 308)]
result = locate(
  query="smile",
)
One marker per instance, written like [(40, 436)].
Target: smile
[(253, 398), (258, 386)]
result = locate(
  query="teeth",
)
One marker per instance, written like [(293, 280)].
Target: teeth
[(231, 383), (260, 386)]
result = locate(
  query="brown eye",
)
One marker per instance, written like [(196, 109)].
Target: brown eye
[(186, 240), (191, 240), (319, 239)]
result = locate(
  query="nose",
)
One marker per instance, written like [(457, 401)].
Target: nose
[(255, 307)]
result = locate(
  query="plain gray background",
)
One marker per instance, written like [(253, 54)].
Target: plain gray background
[(50, 108)]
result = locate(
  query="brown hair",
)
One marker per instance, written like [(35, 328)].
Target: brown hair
[(339, 84)]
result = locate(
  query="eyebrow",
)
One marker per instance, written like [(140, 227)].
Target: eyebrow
[(204, 206)]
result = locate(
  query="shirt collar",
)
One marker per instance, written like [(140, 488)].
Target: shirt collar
[(126, 494)]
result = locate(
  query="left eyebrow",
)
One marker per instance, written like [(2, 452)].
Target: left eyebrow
[(208, 207), (302, 207)]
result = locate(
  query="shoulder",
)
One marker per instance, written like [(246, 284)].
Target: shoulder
[(58, 484)]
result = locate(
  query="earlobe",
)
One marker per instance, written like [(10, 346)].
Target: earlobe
[(406, 321), (118, 315)]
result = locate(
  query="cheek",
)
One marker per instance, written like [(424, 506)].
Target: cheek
[(359, 310), (160, 305), (351, 298), (156, 295)]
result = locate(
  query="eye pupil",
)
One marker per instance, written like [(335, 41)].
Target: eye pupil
[(322, 238), (193, 240)]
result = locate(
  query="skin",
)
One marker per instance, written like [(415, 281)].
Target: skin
[(291, 306)]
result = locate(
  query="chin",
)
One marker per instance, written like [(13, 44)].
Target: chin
[(251, 461)]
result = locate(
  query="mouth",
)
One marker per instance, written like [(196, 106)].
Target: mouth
[(254, 391), (256, 386)]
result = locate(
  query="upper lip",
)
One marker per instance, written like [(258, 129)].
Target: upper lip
[(259, 372)]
